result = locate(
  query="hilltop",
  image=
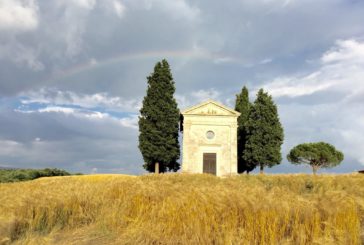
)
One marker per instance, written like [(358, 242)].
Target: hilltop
[(184, 209)]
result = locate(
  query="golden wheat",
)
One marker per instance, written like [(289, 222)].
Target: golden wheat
[(184, 209)]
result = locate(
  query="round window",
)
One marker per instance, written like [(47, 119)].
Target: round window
[(210, 134)]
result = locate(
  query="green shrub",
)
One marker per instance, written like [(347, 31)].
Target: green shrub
[(15, 175)]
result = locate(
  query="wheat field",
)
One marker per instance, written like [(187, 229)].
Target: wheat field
[(184, 209)]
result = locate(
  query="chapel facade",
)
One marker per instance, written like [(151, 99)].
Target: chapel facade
[(209, 139)]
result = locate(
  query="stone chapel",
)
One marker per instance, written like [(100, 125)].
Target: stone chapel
[(209, 139)]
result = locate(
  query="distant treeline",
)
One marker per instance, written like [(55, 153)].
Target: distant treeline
[(15, 175)]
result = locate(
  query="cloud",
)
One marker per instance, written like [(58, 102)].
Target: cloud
[(64, 110), (70, 23), (73, 26), (297, 86), (19, 17), (68, 138), (205, 94), (94, 107), (177, 9), (129, 122), (326, 104), (27, 45), (77, 75), (88, 4), (126, 121), (349, 51), (119, 8), (265, 61), (341, 70), (240, 33), (21, 55), (186, 100), (8, 146), (69, 98), (16, 15), (338, 123)]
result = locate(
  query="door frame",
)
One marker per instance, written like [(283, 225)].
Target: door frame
[(214, 158), (210, 149)]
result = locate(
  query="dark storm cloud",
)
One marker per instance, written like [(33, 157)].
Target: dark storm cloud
[(74, 32), (74, 140)]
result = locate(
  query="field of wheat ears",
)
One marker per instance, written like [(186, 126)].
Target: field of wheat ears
[(184, 209)]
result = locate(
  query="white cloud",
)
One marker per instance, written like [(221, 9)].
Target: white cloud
[(18, 15), (130, 121), (104, 100), (119, 8), (266, 61), (341, 70), (348, 51), (65, 30), (64, 110), (339, 120), (297, 86), (85, 106)]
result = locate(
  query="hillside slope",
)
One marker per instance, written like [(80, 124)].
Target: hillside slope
[(184, 209)]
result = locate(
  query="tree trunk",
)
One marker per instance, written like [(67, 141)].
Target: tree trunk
[(314, 169), (261, 169), (156, 168)]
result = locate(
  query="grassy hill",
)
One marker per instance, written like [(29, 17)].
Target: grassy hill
[(184, 209)]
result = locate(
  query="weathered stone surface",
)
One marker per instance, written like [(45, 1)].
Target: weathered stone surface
[(222, 121)]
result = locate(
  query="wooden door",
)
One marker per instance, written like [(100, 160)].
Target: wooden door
[(209, 163)]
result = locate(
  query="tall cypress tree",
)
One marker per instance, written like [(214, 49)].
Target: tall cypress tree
[(159, 122), (264, 133), (242, 105)]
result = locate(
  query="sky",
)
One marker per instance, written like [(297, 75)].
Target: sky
[(73, 73)]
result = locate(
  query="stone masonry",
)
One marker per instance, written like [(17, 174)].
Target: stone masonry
[(210, 139)]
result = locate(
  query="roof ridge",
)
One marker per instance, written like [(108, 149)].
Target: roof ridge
[(219, 104)]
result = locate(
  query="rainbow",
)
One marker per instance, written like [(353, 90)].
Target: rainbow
[(94, 64)]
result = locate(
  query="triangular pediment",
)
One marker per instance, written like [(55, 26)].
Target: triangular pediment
[(210, 107)]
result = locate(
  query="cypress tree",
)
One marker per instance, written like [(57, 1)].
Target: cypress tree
[(242, 105), (264, 133), (159, 122)]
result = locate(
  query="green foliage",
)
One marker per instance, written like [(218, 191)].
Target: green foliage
[(15, 175), (318, 155), (159, 122), (264, 133), (243, 105)]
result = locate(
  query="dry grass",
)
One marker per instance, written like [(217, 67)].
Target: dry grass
[(184, 209)]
